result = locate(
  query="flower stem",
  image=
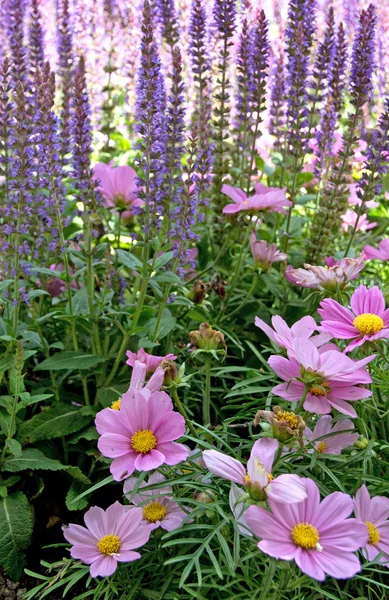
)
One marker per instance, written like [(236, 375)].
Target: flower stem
[(302, 399), (207, 393), (182, 411)]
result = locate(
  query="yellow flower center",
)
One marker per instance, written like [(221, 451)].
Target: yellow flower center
[(368, 324), (306, 536), (247, 479), (153, 512), (321, 447), (143, 441), (320, 390), (270, 477), (116, 405), (374, 534), (289, 417), (109, 544)]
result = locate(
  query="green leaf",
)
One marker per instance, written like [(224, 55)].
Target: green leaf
[(166, 325), (6, 362), (13, 447), (15, 533), (80, 304), (74, 491), (167, 277), (5, 284), (31, 458), (163, 260), (55, 422), (77, 474), (129, 260), (27, 399), (69, 360)]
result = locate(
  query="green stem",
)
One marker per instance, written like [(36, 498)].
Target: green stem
[(207, 393), (302, 399), (246, 298), (118, 359), (238, 264), (182, 411)]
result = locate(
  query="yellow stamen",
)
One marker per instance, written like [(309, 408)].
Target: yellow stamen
[(109, 544), (143, 441), (368, 324), (321, 447), (374, 534), (291, 419), (306, 536), (247, 479), (270, 477), (116, 405), (320, 390), (153, 512)]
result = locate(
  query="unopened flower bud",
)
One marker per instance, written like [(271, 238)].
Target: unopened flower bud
[(171, 372), (361, 444)]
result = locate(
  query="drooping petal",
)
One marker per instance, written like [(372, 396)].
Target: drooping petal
[(265, 449), (224, 466), (286, 489)]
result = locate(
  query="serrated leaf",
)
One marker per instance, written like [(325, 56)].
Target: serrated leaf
[(77, 474), (89, 434), (74, 491), (80, 304), (27, 400), (69, 360), (129, 260), (15, 533), (31, 458), (14, 447), (55, 422)]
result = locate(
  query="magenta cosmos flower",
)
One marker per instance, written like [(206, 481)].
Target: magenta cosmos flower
[(332, 378), (266, 199), (319, 536), (140, 435), (367, 321), (324, 439), (374, 512), (265, 254), (117, 185), (110, 536), (380, 253), (283, 335), (258, 480), (158, 509), (151, 362), (334, 275)]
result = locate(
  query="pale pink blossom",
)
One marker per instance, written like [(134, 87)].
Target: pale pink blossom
[(152, 362), (380, 253), (157, 506), (332, 378), (265, 254), (334, 275), (319, 536), (367, 321), (140, 436), (110, 536), (266, 199), (374, 513), (256, 481), (354, 199), (350, 218), (329, 439), (118, 186), (283, 335)]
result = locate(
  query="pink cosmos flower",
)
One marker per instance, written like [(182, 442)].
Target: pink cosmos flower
[(319, 536), (118, 186), (141, 435), (334, 274), (157, 507), (350, 218), (267, 199), (265, 254), (333, 444), (283, 335), (109, 537), (138, 382), (258, 481), (354, 199), (380, 253), (374, 512), (332, 376), (152, 362), (367, 321)]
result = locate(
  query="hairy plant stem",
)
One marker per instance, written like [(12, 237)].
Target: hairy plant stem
[(207, 393)]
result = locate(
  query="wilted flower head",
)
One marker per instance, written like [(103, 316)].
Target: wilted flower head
[(265, 254), (327, 278), (109, 537), (266, 199), (207, 338), (258, 480), (380, 253), (285, 424), (151, 362), (118, 186), (323, 438), (170, 372)]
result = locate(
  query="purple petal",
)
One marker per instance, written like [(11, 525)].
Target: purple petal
[(224, 466)]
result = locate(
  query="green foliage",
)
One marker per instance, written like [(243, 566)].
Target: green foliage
[(54, 422), (15, 532), (69, 360)]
